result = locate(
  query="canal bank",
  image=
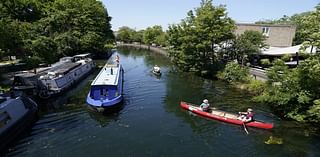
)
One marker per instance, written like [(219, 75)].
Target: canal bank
[(159, 50)]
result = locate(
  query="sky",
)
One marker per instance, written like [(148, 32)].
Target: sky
[(140, 14)]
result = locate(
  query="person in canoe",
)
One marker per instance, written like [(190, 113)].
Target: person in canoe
[(246, 116), (205, 105), (156, 69)]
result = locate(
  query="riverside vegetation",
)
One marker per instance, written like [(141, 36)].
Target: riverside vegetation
[(42, 31)]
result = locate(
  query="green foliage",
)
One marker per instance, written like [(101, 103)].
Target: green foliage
[(138, 36), (294, 93), (311, 29), (51, 29), (314, 112), (154, 35), (286, 57), (274, 140), (200, 37), (233, 72), (125, 34), (33, 62), (265, 62), (248, 43), (256, 86)]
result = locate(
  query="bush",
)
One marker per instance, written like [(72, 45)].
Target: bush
[(256, 86), (286, 57), (265, 62), (233, 72), (33, 62)]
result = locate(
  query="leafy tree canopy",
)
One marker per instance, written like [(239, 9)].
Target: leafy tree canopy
[(198, 38)]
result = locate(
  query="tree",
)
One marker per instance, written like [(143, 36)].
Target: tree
[(151, 34), (294, 93), (138, 36), (125, 34), (311, 28), (248, 43), (199, 37), (51, 29)]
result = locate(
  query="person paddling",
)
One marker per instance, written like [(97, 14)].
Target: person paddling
[(205, 105), (246, 116), (156, 68)]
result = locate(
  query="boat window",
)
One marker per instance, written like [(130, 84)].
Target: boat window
[(2, 99), (17, 81), (106, 94), (4, 119), (101, 91)]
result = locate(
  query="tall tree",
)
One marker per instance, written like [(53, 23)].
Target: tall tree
[(51, 29), (200, 36), (248, 43), (311, 28), (151, 34), (125, 34)]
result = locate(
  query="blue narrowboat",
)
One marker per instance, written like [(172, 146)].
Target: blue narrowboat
[(107, 88)]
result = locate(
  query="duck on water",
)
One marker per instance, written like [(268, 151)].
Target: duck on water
[(107, 88)]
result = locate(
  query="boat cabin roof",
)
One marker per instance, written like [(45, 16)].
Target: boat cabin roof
[(109, 75), (83, 55)]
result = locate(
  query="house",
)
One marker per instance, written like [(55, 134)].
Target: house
[(277, 35)]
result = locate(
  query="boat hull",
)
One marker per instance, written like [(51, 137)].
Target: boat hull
[(103, 95), (104, 102), (224, 116), (156, 73), (19, 123)]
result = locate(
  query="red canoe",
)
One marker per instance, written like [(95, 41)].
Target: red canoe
[(224, 116)]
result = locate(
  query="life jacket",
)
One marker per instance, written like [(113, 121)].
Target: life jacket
[(249, 115)]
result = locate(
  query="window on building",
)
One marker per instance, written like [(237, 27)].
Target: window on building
[(265, 31)]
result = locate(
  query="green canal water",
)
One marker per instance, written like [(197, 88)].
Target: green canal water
[(151, 122)]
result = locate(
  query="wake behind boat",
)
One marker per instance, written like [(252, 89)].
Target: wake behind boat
[(107, 88), (224, 116)]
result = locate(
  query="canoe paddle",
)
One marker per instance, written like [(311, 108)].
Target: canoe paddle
[(245, 128)]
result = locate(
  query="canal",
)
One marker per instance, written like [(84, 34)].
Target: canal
[(151, 122)]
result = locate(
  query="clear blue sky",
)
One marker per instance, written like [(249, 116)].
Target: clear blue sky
[(140, 14)]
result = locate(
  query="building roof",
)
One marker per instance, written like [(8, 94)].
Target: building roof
[(287, 50), (265, 25)]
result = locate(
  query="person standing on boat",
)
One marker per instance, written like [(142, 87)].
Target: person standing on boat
[(246, 116), (117, 59), (205, 105)]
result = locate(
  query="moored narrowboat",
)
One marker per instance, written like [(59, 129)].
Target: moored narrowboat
[(16, 116), (50, 81)]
